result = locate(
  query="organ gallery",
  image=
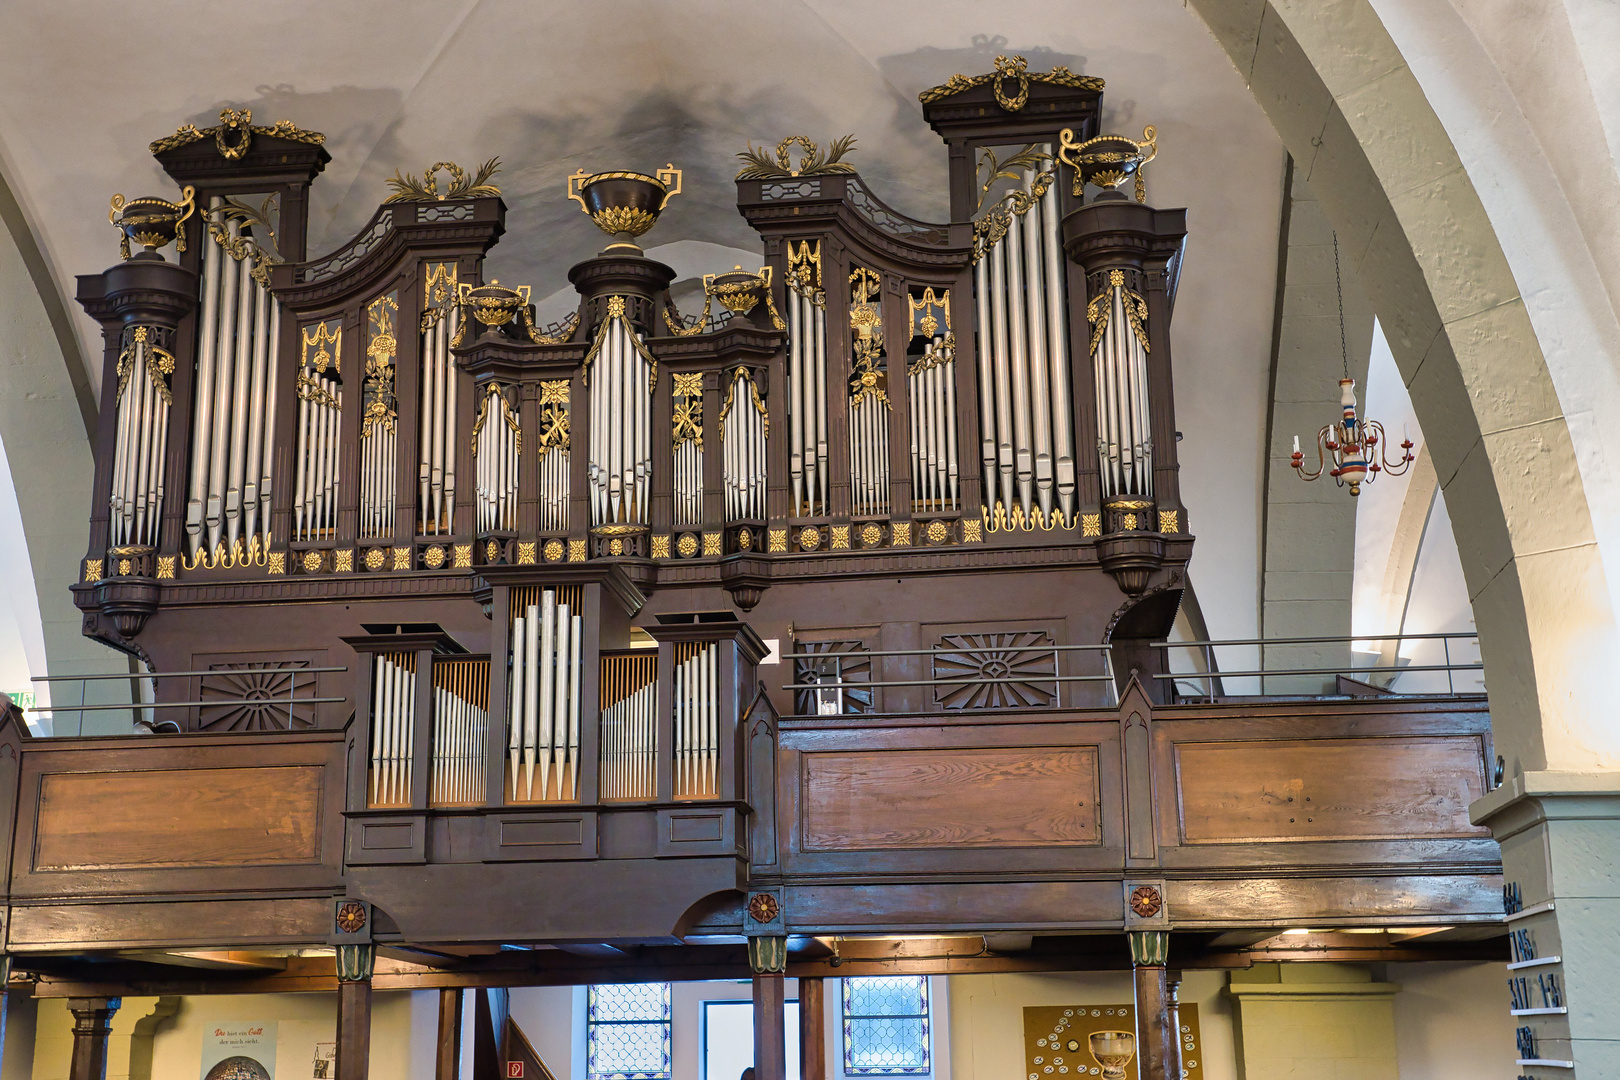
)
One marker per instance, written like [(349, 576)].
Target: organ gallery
[(812, 625)]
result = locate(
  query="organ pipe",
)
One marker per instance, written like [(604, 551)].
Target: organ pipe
[(869, 400), (393, 729), (623, 375), (136, 498), (460, 715), (497, 445), (744, 428), (554, 455), (629, 731), (1119, 348), (1027, 447), (544, 715), (319, 391), (379, 429), (935, 470), (807, 380), (687, 428), (697, 720), (437, 468), (234, 393)]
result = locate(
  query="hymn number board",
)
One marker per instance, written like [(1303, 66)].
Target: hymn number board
[(1057, 1041)]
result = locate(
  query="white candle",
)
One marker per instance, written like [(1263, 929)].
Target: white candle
[(1296, 444)]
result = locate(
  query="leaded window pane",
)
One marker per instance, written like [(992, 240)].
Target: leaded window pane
[(886, 1026), (627, 1031)]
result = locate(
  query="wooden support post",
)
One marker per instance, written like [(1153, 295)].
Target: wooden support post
[(1158, 1044), (354, 964), (92, 1023), (812, 1029), (768, 957), (449, 1056)]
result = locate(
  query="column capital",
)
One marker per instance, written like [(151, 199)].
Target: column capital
[(355, 962), (1150, 948), (767, 955)]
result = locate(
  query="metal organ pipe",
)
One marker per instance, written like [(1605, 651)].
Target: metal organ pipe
[(620, 470), (629, 743), (697, 721), (1024, 365), (393, 729), (495, 453), (136, 498), (1125, 440), (461, 691), (743, 434), (543, 724)]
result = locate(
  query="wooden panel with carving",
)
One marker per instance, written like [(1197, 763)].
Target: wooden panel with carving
[(1391, 788), (167, 819), (974, 797)]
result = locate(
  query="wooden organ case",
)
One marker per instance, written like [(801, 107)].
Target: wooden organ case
[(829, 594)]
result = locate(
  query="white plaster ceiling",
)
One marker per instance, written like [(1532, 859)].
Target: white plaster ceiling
[(551, 87)]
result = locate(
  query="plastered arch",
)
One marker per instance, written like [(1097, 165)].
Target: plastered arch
[(1355, 117)]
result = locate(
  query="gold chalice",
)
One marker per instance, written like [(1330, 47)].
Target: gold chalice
[(1113, 1050), (624, 204)]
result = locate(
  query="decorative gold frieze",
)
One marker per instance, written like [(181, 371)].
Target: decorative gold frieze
[(234, 134), (1014, 68)]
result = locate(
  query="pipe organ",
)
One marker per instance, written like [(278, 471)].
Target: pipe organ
[(935, 471), (1019, 287), (544, 714), (460, 726), (437, 477), (807, 380), (687, 422), (497, 450), (143, 397), (625, 376), (234, 404), (1119, 348), (745, 425), (319, 389), (630, 726), (393, 728), (697, 720), (379, 434), (869, 418)]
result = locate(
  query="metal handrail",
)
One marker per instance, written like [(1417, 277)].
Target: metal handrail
[(180, 674), (1315, 640), (838, 680), (1211, 674), (182, 704), (292, 699)]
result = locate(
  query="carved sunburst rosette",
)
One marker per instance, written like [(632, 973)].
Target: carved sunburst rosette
[(1146, 901), (763, 907)]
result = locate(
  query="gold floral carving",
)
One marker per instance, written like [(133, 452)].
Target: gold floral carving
[(1090, 524), (343, 561), (433, 557), (809, 538), (234, 133), (901, 532), (553, 550), (312, 561), (277, 562), (526, 554), (972, 531), (840, 538), (776, 540), (871, 536), (616, 546), (576, 551), (375, 558), (660, 547), (761, 166), (937, 532), (461, 556), (92, 569), (402, 558), (711, 543), (408, 189), (1169, 522), (687, 545), (492, 552), (165, 567)]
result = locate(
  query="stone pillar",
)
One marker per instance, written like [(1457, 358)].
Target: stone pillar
[(448, 1059), (1158, 1042), (1560, 837), (354, 964), (768, 957), (812, 1029), (92, 1023), (1313, 1019)]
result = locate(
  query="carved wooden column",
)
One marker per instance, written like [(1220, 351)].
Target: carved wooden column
[(812, 1029), (768, 957), (354, 964), (92, 1023), (448, 1060), (1158, 1044)]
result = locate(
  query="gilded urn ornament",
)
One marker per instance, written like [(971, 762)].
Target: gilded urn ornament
[(1109, 160), (151, 222), (493, 305), (624, 204)]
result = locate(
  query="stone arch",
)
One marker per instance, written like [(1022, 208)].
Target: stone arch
[(1353, 114)]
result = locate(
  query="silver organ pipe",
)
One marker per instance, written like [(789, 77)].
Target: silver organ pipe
[(687, 429), (379, 436), (543, 720), (1028, 438), (320, 408), (496, 446), (1119, 356), (234, 394), (460, 700), (554, 454), (697, 720), (437, 471), (629, 732), (869, 400), (935, 469), (623, 374), (135, 502), (744, 428), (807, 381), (393, 730)]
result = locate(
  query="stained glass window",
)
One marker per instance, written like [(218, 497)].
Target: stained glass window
[(886, 1026), (627, 1031)]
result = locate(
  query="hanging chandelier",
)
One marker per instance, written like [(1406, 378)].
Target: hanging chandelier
[(1357, 449)]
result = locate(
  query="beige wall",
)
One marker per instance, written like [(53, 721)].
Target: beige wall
[(1452, 1023), (987, 1017)]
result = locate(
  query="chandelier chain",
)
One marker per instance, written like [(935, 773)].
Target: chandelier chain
[(1338, 285)]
